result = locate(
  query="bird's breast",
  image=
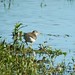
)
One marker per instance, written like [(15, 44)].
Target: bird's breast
[(32, 39)]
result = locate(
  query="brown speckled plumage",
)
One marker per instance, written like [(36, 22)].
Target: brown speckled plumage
[(29, 35)]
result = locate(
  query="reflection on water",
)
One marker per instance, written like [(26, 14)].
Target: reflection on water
[(7, 3), (55, 17), (70, 0)]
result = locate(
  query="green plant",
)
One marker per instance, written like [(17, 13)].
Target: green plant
[(15, 59)]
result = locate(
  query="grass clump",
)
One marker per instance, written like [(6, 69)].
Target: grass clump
[(15, 59)]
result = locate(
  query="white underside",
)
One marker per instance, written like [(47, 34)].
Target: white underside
[(33, 40)]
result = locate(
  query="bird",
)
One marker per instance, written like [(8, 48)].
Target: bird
[(30, 36)]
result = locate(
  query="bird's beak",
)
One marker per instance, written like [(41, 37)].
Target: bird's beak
[(39, 33)]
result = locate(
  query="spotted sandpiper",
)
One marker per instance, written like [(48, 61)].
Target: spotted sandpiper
[(30, 36)]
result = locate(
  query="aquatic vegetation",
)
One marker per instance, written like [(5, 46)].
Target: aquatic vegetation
[(57, 35), (43, 4), (16, 59), (7, 3)]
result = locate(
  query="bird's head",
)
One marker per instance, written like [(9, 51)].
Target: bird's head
[(35, 32)]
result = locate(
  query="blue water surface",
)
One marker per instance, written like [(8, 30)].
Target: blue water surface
[(55, 17)]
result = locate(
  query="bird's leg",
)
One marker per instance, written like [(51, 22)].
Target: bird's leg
[(26, 42), (31, 45)]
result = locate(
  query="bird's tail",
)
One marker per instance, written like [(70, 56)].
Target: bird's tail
[(24, 36)]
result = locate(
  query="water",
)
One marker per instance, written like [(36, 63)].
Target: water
[(55, 17)]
